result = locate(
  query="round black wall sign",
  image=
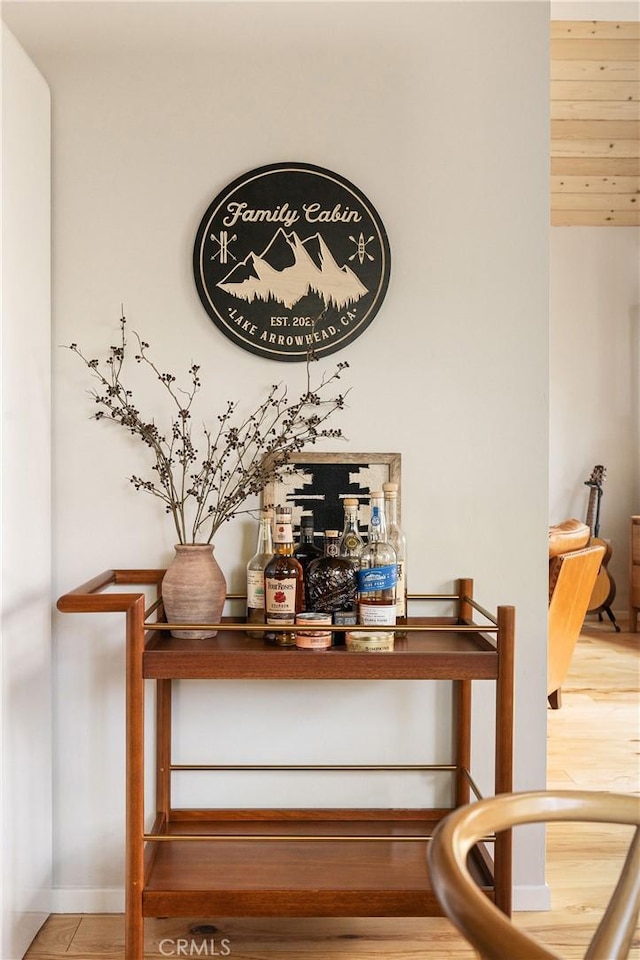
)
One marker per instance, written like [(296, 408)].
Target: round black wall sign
[(291, 257)]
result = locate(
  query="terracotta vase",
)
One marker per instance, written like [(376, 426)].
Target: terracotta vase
[(194, 589)]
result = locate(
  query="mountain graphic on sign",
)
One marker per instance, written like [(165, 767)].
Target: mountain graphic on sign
[(289, 269)]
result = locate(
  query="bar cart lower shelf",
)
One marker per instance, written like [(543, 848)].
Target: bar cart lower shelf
[(310, 862), (297, 878)]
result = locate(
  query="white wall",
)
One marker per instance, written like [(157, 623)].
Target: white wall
[(25, 590), (594, 377), (439, 113)]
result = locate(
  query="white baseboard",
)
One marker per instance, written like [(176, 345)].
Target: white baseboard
[(533, 897), (93, 900)]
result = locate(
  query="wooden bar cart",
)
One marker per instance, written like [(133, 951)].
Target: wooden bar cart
[(305, 862)]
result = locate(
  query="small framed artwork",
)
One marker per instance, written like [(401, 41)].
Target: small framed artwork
[(319, 482)]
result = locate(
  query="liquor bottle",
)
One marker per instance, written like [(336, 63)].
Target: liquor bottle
[(305, 549), (378, 571), (283, 583), (331, 584), (398, 541), (351, 543), (255, 573)]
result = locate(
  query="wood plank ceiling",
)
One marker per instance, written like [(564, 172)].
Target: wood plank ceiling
[(595, 123)]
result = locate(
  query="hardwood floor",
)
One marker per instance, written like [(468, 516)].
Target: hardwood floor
[(592, 744)]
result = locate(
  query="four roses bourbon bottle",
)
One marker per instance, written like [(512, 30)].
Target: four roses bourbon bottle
[(283, 586)]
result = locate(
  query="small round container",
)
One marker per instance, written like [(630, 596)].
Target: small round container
[(314, 639), (364, 641)]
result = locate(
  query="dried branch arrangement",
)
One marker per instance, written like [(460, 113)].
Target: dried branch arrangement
[(206, 481)]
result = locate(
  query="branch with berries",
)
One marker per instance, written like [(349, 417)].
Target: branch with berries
[(205, 481)]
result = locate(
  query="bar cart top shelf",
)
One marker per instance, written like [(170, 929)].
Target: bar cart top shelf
[(439, 649), (442, 647)]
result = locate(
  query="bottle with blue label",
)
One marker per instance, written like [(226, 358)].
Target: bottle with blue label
[(378, 573)]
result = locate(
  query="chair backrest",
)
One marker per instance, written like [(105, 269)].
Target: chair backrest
[(570, 535), (488, 930), (572, 577)]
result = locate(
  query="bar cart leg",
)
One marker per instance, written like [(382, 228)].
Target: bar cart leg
[(464, 588), (462, 695), (163, 750), (504, 752), (134, 869)]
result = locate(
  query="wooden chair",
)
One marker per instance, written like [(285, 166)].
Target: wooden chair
[(573, 570), (488, 930)]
